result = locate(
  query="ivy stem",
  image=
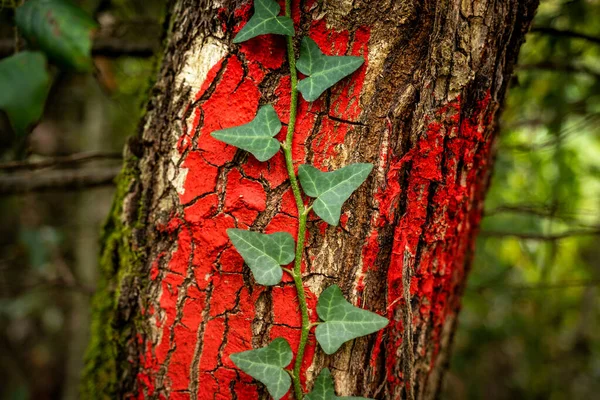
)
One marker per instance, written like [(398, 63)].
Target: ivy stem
[(302, 211), (287, 146), (303, 305)]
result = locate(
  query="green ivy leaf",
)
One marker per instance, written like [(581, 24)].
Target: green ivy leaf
[(257, 136), (324, 389), (267, 366), (24, 85), (323, 71), (265, 20), (343, 321), (61, 29), (332, 189), (263, 253)]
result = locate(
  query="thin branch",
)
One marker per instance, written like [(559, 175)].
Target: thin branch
[(542, 236), (539, 211), (559, 67), (532, 123), (107, 47), (564, 33), (132, 38), (577, 108), (551, 286), (60, 161), (545, 211), (589, 120), (117, 47), (61, 284), (57, 180)]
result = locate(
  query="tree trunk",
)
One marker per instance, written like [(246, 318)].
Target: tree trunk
[(175, 297)]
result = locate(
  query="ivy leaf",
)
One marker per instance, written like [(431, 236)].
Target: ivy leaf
[(324, 389), (266, 365), (265, 20), (263, 253), (332, 189), (59, 28), (343, 321), (24, 85), (323, 71), (257, 136)]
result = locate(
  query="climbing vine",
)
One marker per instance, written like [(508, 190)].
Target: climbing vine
[(324, 193)]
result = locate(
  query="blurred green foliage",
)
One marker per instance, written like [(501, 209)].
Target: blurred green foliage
[(60, 29), (24, 85), (530, 324)]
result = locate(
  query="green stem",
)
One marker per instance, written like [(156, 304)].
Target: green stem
[(303, 306), (302, 211), (287, 146)]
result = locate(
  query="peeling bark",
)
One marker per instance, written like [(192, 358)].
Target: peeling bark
[(423, 109)]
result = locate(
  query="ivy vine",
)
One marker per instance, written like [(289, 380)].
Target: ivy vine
[(267, 255)]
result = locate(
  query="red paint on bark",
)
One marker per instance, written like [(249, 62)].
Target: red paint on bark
[(206, 308), (288, 311), (439, 222)]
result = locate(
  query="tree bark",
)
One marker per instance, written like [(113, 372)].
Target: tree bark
[(175, 298)]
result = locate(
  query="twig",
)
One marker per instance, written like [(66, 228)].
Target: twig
[(133, 39), (539, 211), (116, 47), (552, 286), (588, 120), (542, 236), (61, 284), (560, 67), (59, 161), (107, 47), (57, 180), (65, 160), (564, 33)]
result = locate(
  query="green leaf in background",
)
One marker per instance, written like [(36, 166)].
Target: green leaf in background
[(263, 253), (265, 20), (324, 389), (267, 366), (332, 189), (256, 136), (343, 321), (24, 85), (59, 28), (323, 71)]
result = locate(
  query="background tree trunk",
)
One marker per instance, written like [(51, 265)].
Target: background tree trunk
[(175, 298)]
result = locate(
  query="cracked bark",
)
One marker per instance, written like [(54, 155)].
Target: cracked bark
[(423, 109)]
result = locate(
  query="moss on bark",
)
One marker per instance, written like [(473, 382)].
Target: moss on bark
[(120, 263)]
